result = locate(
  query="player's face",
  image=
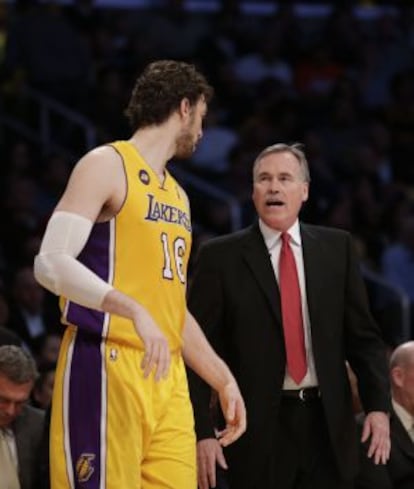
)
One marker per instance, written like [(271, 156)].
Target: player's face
[(13, 397), (279, 189), (192, 131)]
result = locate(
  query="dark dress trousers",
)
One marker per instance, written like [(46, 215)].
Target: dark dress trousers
[(235, 297)]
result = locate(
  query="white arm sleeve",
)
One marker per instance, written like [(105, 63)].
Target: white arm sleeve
[(56, 266)]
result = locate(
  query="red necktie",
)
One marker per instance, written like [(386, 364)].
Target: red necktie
[(291, 312)]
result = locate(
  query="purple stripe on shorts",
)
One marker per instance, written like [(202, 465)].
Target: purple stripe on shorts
[(94, 256), (85, 409)]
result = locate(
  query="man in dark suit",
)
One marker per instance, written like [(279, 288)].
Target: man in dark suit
[(399, 471), (285, 305), (7, 337), (31, 317), (21, 426)]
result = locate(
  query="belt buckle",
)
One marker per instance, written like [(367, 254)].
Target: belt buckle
[(302, 395)]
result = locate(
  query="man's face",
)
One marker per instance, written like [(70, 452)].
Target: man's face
[(192, 130), (279, 189), (13, 397)]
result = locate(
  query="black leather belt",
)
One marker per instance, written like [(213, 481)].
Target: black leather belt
[(303, 395)]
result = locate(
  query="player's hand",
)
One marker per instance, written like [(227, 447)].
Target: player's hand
[(157, 352), (377, 426), (209, 453), (234, 412)]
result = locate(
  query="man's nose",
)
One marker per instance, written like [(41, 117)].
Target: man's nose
[(274, 185)]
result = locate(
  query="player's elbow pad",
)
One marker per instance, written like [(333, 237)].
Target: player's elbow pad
[(56, 266), (45, 272)]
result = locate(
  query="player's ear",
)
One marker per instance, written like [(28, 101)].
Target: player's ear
[(185, 108)]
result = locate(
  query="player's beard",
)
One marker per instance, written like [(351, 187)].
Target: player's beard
[(185, 145)]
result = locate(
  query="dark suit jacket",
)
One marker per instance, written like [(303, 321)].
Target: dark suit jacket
[(235, 297), (399, 471), (28, 429)]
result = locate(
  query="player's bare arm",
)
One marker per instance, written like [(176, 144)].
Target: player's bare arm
[(97, 186), (200, 356), (95, 192)]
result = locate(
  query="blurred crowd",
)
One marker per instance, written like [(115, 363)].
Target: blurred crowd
[(342, 83)]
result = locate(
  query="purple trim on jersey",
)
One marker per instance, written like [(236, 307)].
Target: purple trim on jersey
[(94, 256), (85, 411)]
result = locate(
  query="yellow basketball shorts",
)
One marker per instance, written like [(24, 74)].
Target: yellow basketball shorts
[(113, 429)]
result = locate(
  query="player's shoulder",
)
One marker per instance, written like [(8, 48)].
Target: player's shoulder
[(105, 152), (100, 161)]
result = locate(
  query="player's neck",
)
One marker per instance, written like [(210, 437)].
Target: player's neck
[(156, 145)]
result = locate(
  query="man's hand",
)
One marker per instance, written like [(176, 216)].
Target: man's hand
[(157, 353), (377, 426), (234, 412), (209, 453)]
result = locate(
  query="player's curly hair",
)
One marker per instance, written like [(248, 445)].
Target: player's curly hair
[(160, 89)]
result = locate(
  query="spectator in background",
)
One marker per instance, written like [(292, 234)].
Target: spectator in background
[(213, 151), (4, 308), (399, 472), (21, 425), (398, 260), (42, 391), (54, 175), (60, 68), (29, 317), (47, 348), (400, 118), (7, 337), (19, 218), (302, 431), (264, 62)]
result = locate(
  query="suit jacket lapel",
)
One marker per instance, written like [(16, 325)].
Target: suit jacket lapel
[(314, 271), (22, 445), (401, 436), (257, 258)]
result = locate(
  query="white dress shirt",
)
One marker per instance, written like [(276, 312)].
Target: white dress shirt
[(405, 417), (35, 324), (8, 460), (273, 242)]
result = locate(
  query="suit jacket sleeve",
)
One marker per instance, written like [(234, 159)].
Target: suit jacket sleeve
[(365, 349)]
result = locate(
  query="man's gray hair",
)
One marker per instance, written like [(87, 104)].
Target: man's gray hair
[(17, 365), (403, 355), (296, 149)]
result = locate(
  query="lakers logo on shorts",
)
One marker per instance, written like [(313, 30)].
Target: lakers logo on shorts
[(84, 467)]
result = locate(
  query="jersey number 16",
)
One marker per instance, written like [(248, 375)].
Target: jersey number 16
[(178, 248)]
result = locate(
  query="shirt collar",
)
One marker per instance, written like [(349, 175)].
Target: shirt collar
[(272, 236), (405, 417), (7, 432)]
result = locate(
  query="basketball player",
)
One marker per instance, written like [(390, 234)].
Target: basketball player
[(116, 251)]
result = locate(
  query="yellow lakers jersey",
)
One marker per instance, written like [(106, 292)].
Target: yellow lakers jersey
[(143, 251)]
